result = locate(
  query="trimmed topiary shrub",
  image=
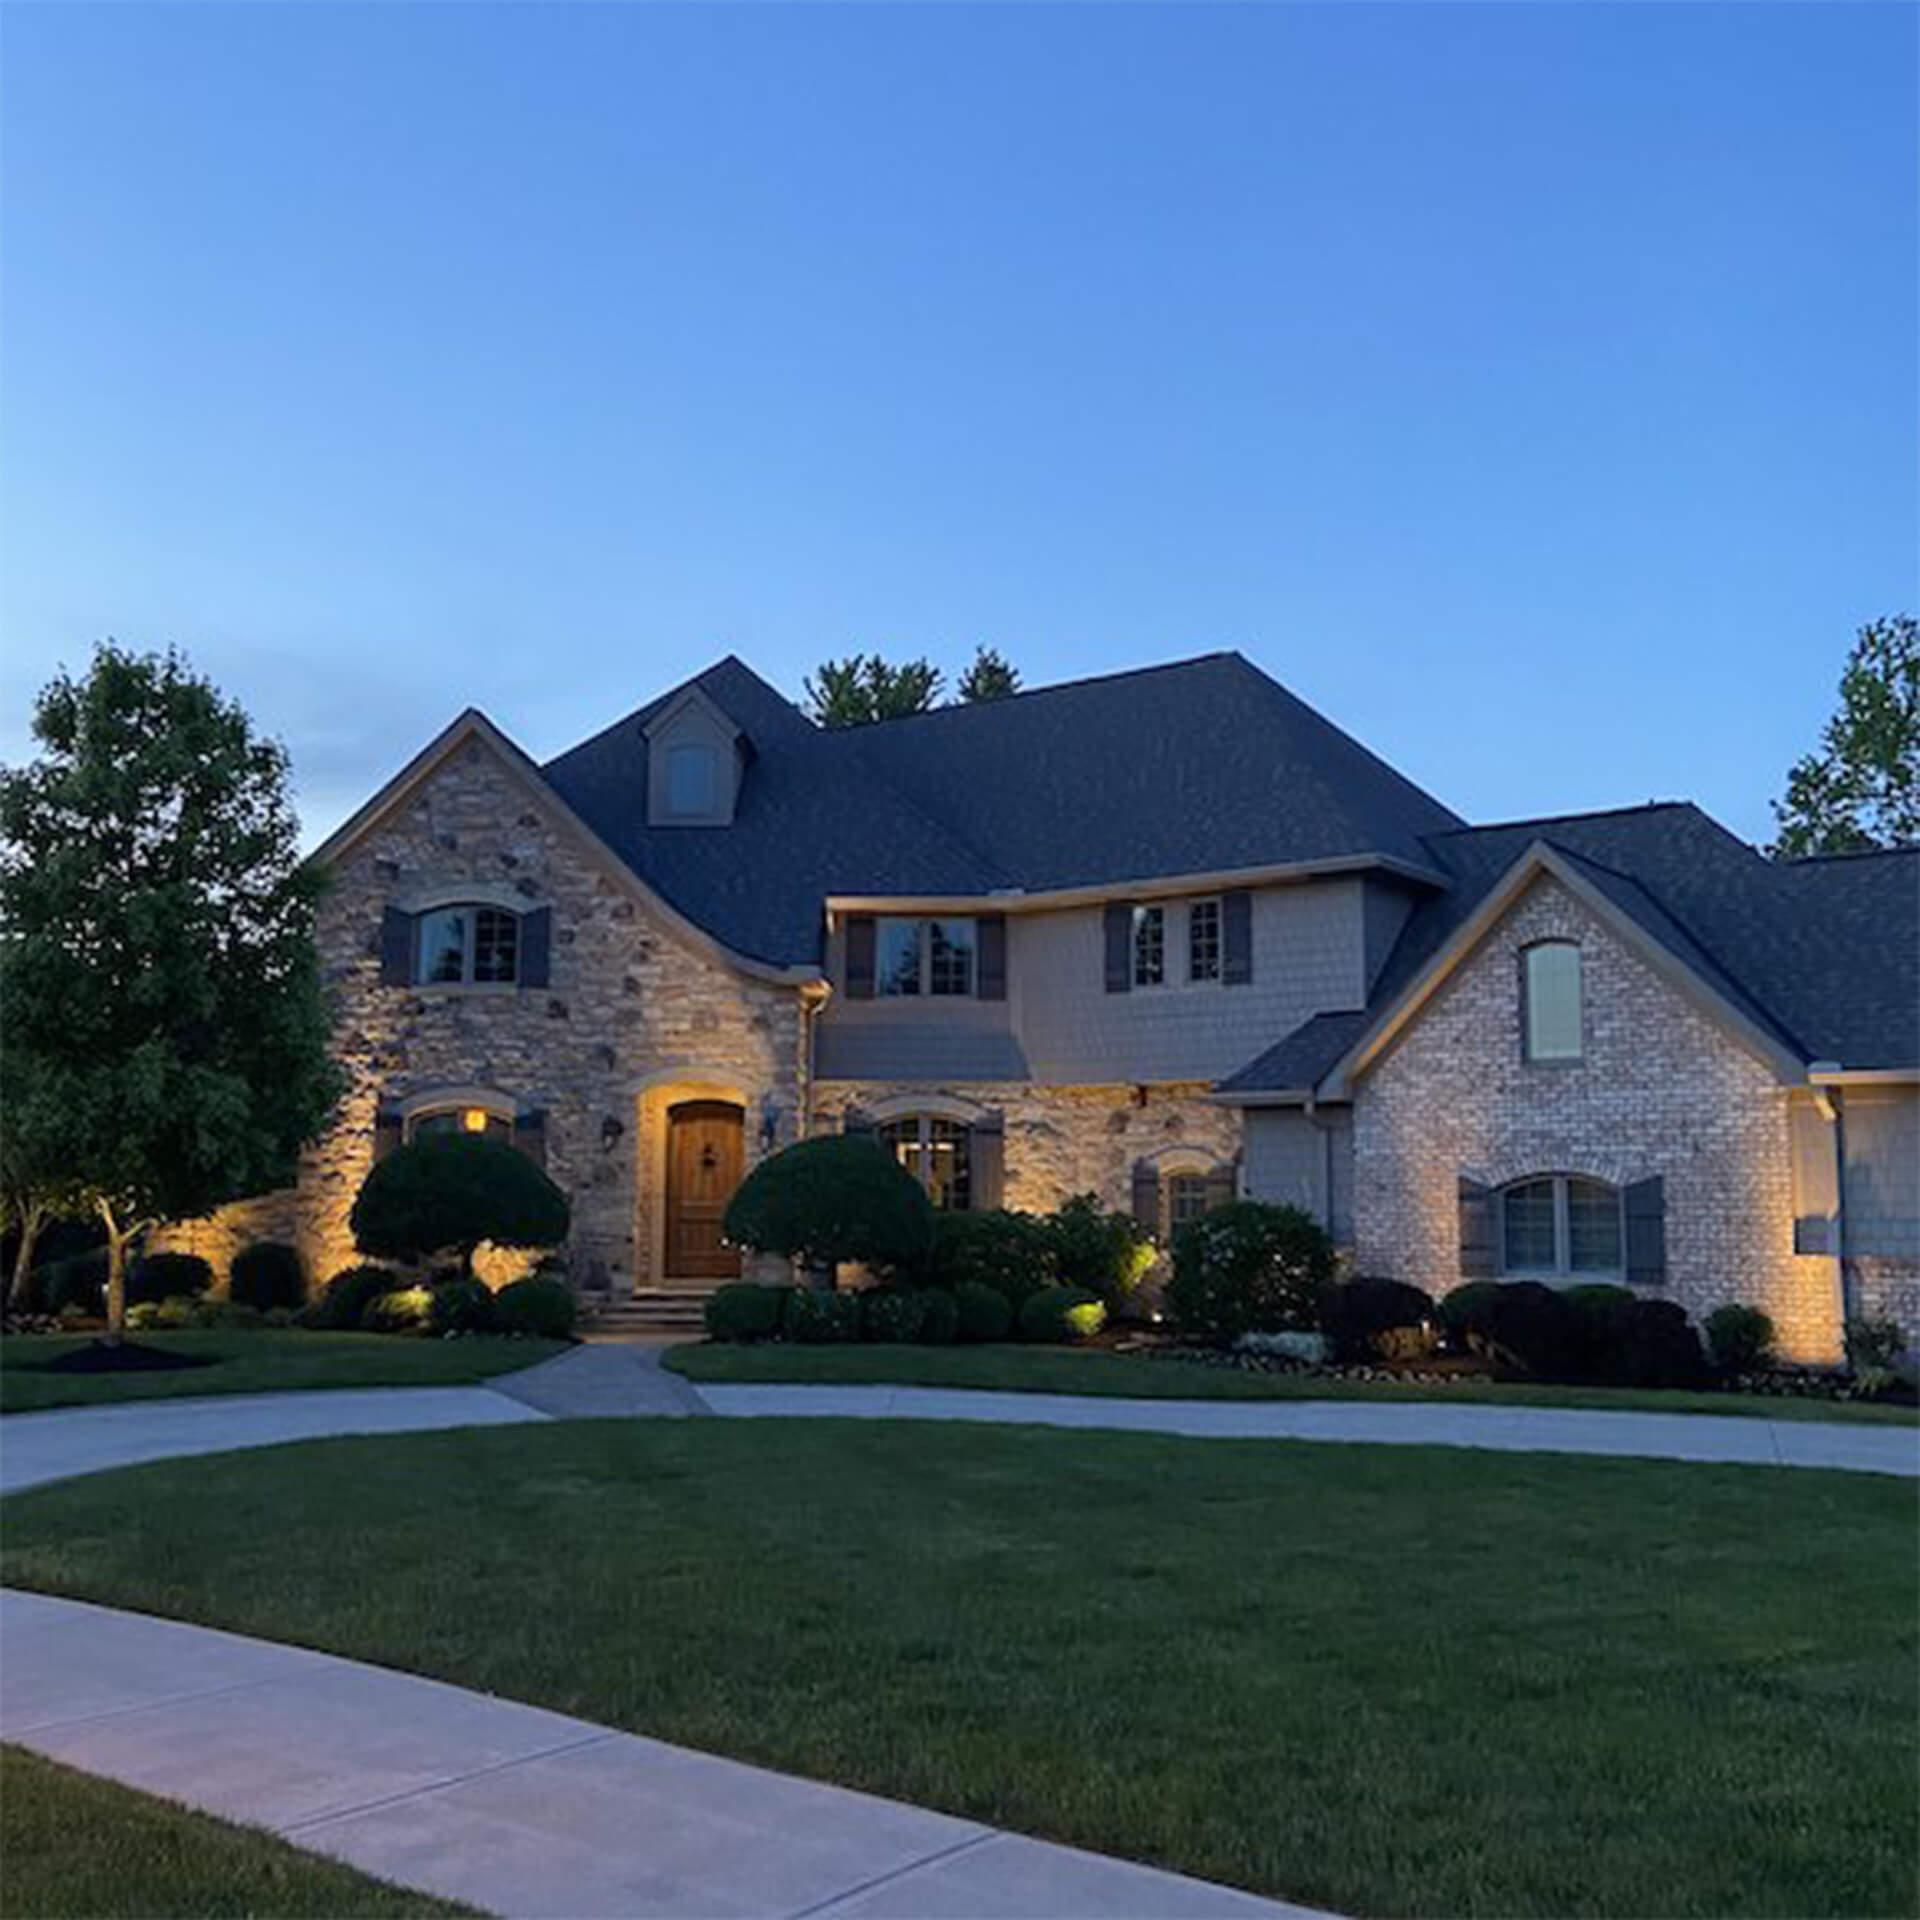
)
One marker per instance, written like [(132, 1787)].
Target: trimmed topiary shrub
[(1532, 1329), (1104, 1253), (1013, 1253), (1663, 1347), (460, 1304), (1604, 1333), (1249, 1268), (939, 1318), (893, 1314), (404, 1310), (453, 1192), (343, 1304), (167, 1276), (1466, 1314), (839, 1197), (744, 1310), (1740, 1338), (266, 1275), (538, 1306), (816, 1318), (1062, 1314), (1358, 1316), (984, 1312)]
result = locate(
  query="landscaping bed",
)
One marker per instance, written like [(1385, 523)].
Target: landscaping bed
[(89, 1849), (35, 1369), (1147, 1371), (1398, 1681)]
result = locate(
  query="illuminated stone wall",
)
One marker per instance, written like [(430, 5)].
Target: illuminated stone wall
[(1662, 1090), (630, 998)]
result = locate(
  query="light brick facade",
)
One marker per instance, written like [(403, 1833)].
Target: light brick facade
[(1662, 1089)]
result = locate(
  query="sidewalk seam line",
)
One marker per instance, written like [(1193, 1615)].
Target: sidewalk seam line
[(13, 1732), (939, 1854)]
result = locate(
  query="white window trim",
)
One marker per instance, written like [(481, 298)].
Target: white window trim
[(1218, 976), (921, 1114), (1562, 1275), (1579, 1054), (1135, 921), (467, 983)]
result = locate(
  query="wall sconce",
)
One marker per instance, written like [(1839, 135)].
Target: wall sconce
[(769, 1125), (610, 1131)]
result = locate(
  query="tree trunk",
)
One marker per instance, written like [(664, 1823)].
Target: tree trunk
[(119, 1238), (32, 1219)]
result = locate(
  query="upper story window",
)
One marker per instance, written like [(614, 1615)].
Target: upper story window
[(467, 946), (1560, 1224), (693, 781), (1551, 993), (924, 957), (938, 1153), (1149, 946), (1203, 941), (486, 1121)]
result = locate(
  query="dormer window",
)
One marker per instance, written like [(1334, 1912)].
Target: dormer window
[(472, 946), (693, 781)]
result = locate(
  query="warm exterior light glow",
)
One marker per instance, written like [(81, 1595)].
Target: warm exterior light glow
[(474, 1119)]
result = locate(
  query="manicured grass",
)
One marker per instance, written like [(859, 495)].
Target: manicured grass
[(1380, 1680), (262, 1360), (75, 1846), (1013, 1369)]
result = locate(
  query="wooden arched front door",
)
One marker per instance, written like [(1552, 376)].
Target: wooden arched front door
[(703, 1168)]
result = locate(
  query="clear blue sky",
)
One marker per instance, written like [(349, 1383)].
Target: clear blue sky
[(1532, 388)]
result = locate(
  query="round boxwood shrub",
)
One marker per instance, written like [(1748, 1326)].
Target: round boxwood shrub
[(814, 1317), (1013, 1253), (1663, 1347), (1604, 1333), (1249, 1268), (1533, 1329), (939, 1318), (839, 1197), (984, 1312), (1062, 1314), (460, 1304), (266, 1275), (1740, 1338), (893, 1314), (404, 1310), (1361, 1314), (743, 1310), (1103, 1253), (343, 1303), (167, 1276), (1466, 1314), (538, 1306), (453, 1192)]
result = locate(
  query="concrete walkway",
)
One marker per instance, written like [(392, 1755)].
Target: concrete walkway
[(600, 1381), (513, 1809), (1647, 1436)]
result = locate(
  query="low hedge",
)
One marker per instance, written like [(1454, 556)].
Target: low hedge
[(343, 1303), (1249, 1268), (1367, 1319), (744, 1310), (268, 1274), (982, 1312), (460, 1304), (1739, 1338), (1062, 1314), (1586, 1335), (1013, 1253), (538, 1306), (893, 1314), (939, 1317), (814, 1318)]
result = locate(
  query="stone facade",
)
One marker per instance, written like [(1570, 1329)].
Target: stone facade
[(1661, 1089), (636, 1014)]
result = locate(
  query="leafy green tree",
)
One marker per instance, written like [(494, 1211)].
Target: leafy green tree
[(991, 677), (163, 1005), (1862, 788), (452, 1193), (862, 688)]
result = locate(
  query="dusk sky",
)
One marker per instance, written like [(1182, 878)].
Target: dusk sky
[(1531, 388)]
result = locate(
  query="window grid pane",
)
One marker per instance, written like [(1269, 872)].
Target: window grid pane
[(1593, 1227), (1553, 1002), (1527, 1219), (949, 1174), (1186, 1198), (1203, 940), (950, 956), (443, 946), (454, 1120), (1149, 946), (496, 945), (897, 969)]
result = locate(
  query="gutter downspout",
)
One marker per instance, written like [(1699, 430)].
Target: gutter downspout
[(1832, 1105)]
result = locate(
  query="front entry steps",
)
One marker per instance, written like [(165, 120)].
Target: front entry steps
[(671, 1311)]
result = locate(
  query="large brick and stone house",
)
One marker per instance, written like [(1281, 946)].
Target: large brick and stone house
[(1164, 936)]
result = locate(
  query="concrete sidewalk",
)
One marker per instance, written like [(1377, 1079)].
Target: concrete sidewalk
[(1720, 1438), (513, 1809)]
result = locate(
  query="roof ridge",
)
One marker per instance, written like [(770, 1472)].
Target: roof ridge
[(1850, 853), (1556, 819)]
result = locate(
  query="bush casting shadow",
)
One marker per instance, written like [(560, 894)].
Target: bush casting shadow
[(128, 1356)]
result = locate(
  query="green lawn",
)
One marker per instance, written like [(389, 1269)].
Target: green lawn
[(74, 1846), (1012, 1369), (263, 1360), (1380, 1680)]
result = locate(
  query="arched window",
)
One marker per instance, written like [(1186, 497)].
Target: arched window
[(1560, 1223), (494, 1122), (1551, 997), (937, 1152), (467, 945)]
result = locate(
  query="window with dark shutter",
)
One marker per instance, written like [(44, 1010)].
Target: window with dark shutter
[(988, 1154), (1146, 1197), (530, 1134), (388, 1130), (991, 934), (1478, 1254), (1119, 945), (1646, 1221), (396, 948), (1236, 937), (860, 949), (536, 945)]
